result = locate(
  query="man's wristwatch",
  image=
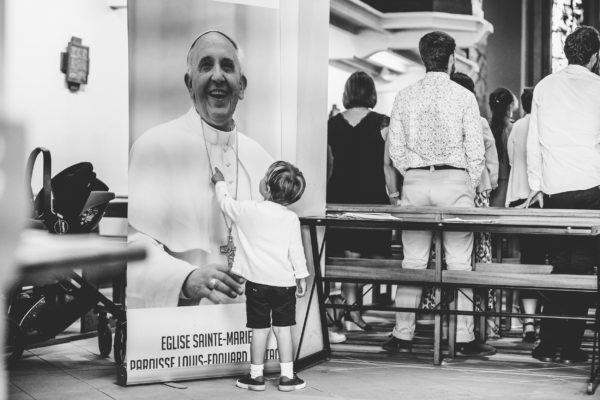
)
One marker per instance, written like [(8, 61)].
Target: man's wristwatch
[(394, 195)]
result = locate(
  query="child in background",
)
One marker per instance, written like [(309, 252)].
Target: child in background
[(532, 247), (271, 258)]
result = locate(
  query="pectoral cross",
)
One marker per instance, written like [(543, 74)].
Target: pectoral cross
[(229, 250)]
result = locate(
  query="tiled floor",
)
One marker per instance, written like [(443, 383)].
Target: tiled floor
[(357, 370)]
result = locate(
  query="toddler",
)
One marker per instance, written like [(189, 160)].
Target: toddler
[(271, 258)]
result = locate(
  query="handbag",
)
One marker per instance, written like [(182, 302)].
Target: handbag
[(73, 201)]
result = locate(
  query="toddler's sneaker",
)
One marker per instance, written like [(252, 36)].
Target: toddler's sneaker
[(288, 385), (257, 384)]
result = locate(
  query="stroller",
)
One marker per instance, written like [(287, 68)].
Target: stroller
[(73, 201)]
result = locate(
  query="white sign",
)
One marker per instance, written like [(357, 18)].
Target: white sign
[(181, 343)]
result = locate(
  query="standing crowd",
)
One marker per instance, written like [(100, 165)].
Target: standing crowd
[(450, 156)]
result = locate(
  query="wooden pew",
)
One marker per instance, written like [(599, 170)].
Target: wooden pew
[(483, 275), (390, 272), (580, 223), (515, 280), (506, 268), (381, 271)]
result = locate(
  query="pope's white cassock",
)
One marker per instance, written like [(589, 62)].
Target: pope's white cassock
[(172, 202)]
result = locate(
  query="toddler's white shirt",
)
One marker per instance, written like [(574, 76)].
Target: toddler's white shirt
[(268, 241)]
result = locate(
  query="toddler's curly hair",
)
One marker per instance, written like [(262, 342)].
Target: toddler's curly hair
[(285, 182)]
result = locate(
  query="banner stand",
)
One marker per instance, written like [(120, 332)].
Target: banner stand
[(167, 343), (198, 342)]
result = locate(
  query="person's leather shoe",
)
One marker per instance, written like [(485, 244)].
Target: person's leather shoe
[(570, 356), (395, 345), (544, 353), (475, 348)]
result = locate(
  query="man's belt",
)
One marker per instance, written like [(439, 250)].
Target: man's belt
[(437, 168)]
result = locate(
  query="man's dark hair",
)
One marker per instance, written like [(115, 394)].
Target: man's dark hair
[(582, 44), (463, 80), (435, 49), (526, 98), (500, 101), (286, 183), (359, 91)]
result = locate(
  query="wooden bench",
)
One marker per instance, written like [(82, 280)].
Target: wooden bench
[(571, 223), (484, 275), (493, 277), (381, 271), (516, 280), (390, 272), (502, 275), (536, 269)]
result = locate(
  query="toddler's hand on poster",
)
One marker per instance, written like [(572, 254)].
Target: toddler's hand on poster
[(300, 287), (217, 176)]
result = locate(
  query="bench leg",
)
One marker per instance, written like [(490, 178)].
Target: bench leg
[(452, 326), (594, 368), (509, 308), (437, 333), (482, 319), (437, 319), (498, 305), (318, 284)]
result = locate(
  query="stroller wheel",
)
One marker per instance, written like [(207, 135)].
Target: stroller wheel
[(120, 343), (104, 338)]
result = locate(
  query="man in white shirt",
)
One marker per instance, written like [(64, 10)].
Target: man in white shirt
[(435, 141), (563, 166), (172, 204)]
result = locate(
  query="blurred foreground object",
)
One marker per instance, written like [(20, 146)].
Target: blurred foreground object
[(12, 213), (50, 295)]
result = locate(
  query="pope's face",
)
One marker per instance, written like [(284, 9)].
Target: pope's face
[(215, 81)]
